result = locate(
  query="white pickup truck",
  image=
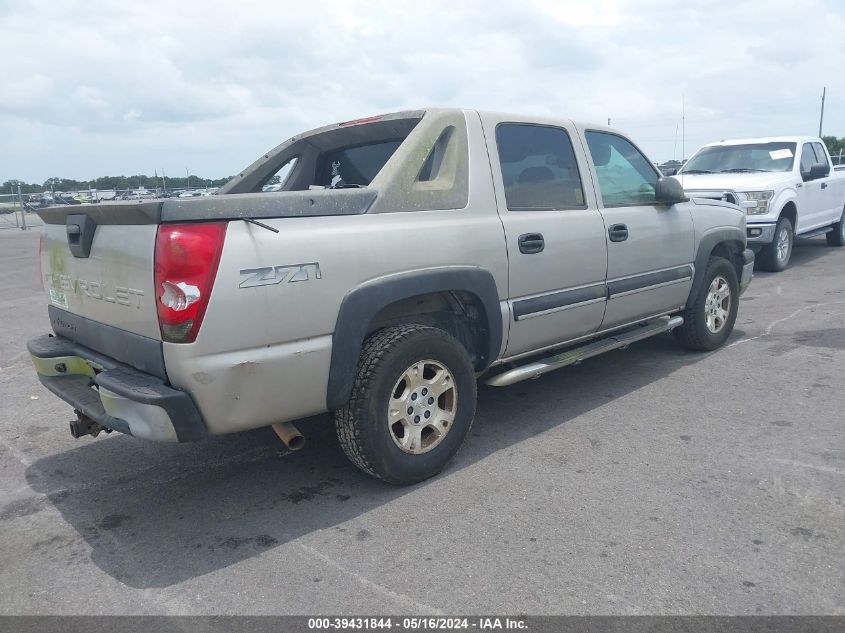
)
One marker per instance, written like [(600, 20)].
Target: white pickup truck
[(787, 185)]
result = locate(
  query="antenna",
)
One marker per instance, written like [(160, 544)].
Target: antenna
[(683, 127), (675, 144), (821, 116), (683, 134)]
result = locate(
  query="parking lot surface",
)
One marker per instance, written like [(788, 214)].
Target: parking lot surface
[(647, 481)]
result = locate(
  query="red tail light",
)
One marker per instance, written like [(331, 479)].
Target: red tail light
[(186, 259), (368, 119)]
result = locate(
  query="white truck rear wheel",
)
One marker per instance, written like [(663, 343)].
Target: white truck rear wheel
[(836, 237)]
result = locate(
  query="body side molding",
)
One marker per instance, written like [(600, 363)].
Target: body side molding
[(527, 308), (648, 280)]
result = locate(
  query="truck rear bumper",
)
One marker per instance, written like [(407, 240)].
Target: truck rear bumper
[(763, 233), (114, 395)]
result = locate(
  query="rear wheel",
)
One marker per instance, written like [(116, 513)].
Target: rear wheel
[(412, 404), (710, 315), (775, 256), (836, 237)]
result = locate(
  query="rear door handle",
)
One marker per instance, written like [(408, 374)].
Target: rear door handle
[(530, 243), (618, 233), (824, 185)]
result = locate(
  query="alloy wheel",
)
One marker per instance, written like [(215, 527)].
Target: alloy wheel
[(422, 407)]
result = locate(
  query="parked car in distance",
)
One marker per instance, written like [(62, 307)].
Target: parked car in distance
[(670, 167), (786, 184), (404, 256)]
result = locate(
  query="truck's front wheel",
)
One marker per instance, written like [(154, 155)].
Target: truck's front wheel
[(412, 404), (775, 256), (710, 315)]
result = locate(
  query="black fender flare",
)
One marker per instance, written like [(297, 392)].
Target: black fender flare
[(361, 304), (732, 235)]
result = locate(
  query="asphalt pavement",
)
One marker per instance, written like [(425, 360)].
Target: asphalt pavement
[(646, 481)]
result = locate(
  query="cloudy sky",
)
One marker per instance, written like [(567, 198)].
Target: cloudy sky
[(104, 88)]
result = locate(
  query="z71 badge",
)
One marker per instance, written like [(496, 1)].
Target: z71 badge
[(271, 275)]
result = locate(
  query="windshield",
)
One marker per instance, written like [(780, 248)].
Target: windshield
[(719, 159)]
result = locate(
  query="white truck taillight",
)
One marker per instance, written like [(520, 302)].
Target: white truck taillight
[(186, 259)]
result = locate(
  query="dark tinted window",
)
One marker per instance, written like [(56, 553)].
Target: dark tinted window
[(625, 175), (356, 165), (538, 167)]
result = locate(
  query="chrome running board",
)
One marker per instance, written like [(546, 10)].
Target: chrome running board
[(574, 356)]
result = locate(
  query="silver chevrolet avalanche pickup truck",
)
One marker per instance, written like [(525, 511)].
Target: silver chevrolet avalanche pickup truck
[(377, 269)]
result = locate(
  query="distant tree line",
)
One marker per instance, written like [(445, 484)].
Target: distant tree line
[(834, 145), (111, 182)]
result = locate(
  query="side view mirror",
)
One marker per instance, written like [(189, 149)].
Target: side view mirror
[(669, 191), (819, 170)]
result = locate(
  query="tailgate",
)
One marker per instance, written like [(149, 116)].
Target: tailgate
[(97, 263)]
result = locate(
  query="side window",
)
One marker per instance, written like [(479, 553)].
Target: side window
[(821, 156), (625, 175), (277, 181), (808, 158), (538, 168)]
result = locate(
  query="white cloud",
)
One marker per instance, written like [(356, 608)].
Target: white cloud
[(96, 87)]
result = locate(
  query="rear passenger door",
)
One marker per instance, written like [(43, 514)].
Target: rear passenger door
[(650, 246), (557, 256)]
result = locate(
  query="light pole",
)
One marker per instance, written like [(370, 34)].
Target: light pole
[(23, 211), (821, 116)]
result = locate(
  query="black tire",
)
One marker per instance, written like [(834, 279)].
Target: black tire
[(362, 425), (836, 237), (768, 258), (695, 333)]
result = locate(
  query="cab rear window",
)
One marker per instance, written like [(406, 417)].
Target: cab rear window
[(357, 165)]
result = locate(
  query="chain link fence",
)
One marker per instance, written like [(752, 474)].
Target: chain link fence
[(17, 213)]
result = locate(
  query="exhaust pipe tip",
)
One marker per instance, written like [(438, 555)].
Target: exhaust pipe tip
[(290, 435), (296, 442)]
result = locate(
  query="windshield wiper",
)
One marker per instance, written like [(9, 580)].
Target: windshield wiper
[(739, 170), (695, 171), (261, 224)]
